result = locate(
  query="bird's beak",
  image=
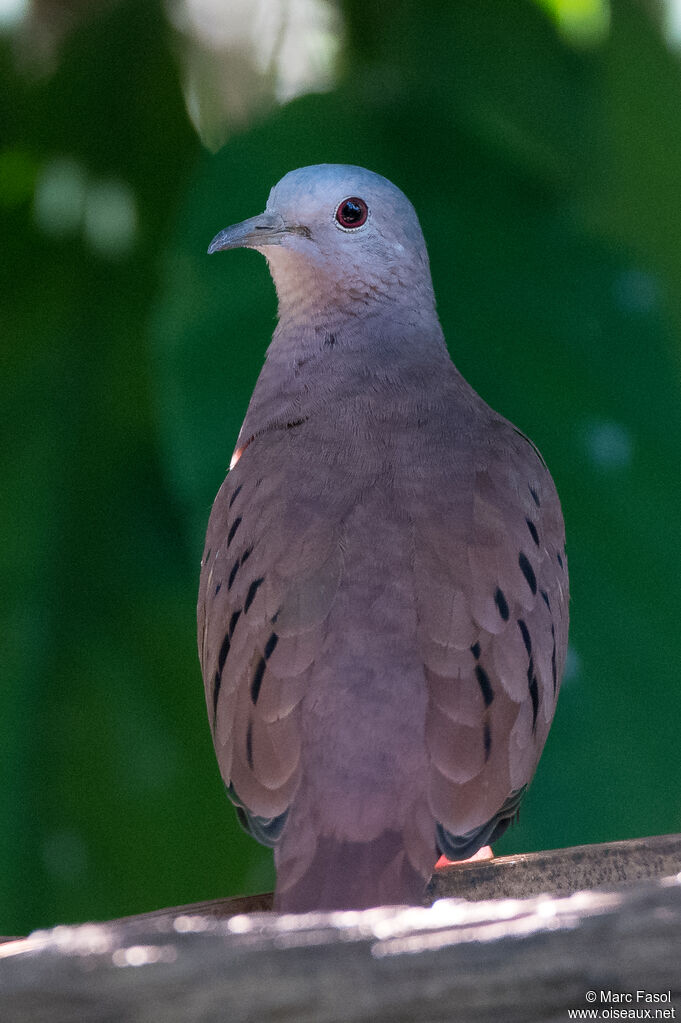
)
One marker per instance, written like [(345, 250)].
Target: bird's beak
[(265, 229)]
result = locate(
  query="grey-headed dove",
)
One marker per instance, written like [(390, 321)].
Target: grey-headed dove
[(383, 605)]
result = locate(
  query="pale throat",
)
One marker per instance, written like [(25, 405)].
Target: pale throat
[(309, 291)]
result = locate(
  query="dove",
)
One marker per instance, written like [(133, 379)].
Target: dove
[(383, 600)]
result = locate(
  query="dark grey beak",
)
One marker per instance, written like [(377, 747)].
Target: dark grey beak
[(265, 229)]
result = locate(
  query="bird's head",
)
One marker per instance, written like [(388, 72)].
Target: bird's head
[(339, 231)]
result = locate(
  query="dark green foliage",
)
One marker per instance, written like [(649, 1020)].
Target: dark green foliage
[(546, 181)]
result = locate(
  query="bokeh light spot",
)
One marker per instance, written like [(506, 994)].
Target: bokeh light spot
[(609, 445), (59, 198), (110, 224), (247, 55), (636, 291), (580, 22), (12, 13), (573, 666)]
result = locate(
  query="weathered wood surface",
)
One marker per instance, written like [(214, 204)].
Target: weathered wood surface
[(561, 870), (505, 959), (556, 870)]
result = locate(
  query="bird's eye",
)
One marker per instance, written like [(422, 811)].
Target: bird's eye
[(352, 212)]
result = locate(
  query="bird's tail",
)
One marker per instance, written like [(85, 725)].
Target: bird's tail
[(349, 875)]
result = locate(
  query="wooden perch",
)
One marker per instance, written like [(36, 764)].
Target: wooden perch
[(519, 876), (510, 959)]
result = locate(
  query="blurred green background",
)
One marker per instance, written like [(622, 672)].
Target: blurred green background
[(541, 145)]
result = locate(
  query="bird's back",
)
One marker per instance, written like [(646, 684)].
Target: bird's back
[(382, 624)]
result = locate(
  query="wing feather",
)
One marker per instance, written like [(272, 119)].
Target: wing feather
[(492, 611), (269, 578)]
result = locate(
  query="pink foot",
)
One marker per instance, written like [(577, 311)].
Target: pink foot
[(485, 853)]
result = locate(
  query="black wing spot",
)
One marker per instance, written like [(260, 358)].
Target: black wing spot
[(270, 645), (206, 556), (487, 739), (235, 495), (252, 590), (224, 650), (533, 531), (237, 565), (545, 598), (525, 633), (218, 588), (249, 745), (534, 693), (485, 684), (528, 571), (256, 682), (560, 560), (502, 605), (232, 529), (535, 496), (475, 650), (232, 622)]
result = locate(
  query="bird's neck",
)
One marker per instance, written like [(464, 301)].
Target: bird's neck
[(318, 363), (318, 299), (341, 336)]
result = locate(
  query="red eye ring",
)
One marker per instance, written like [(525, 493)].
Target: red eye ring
[(352, 212)]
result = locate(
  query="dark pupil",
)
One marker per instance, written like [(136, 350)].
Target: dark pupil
[(351, 212)]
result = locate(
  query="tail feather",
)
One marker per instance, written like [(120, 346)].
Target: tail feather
[(352, 875)]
